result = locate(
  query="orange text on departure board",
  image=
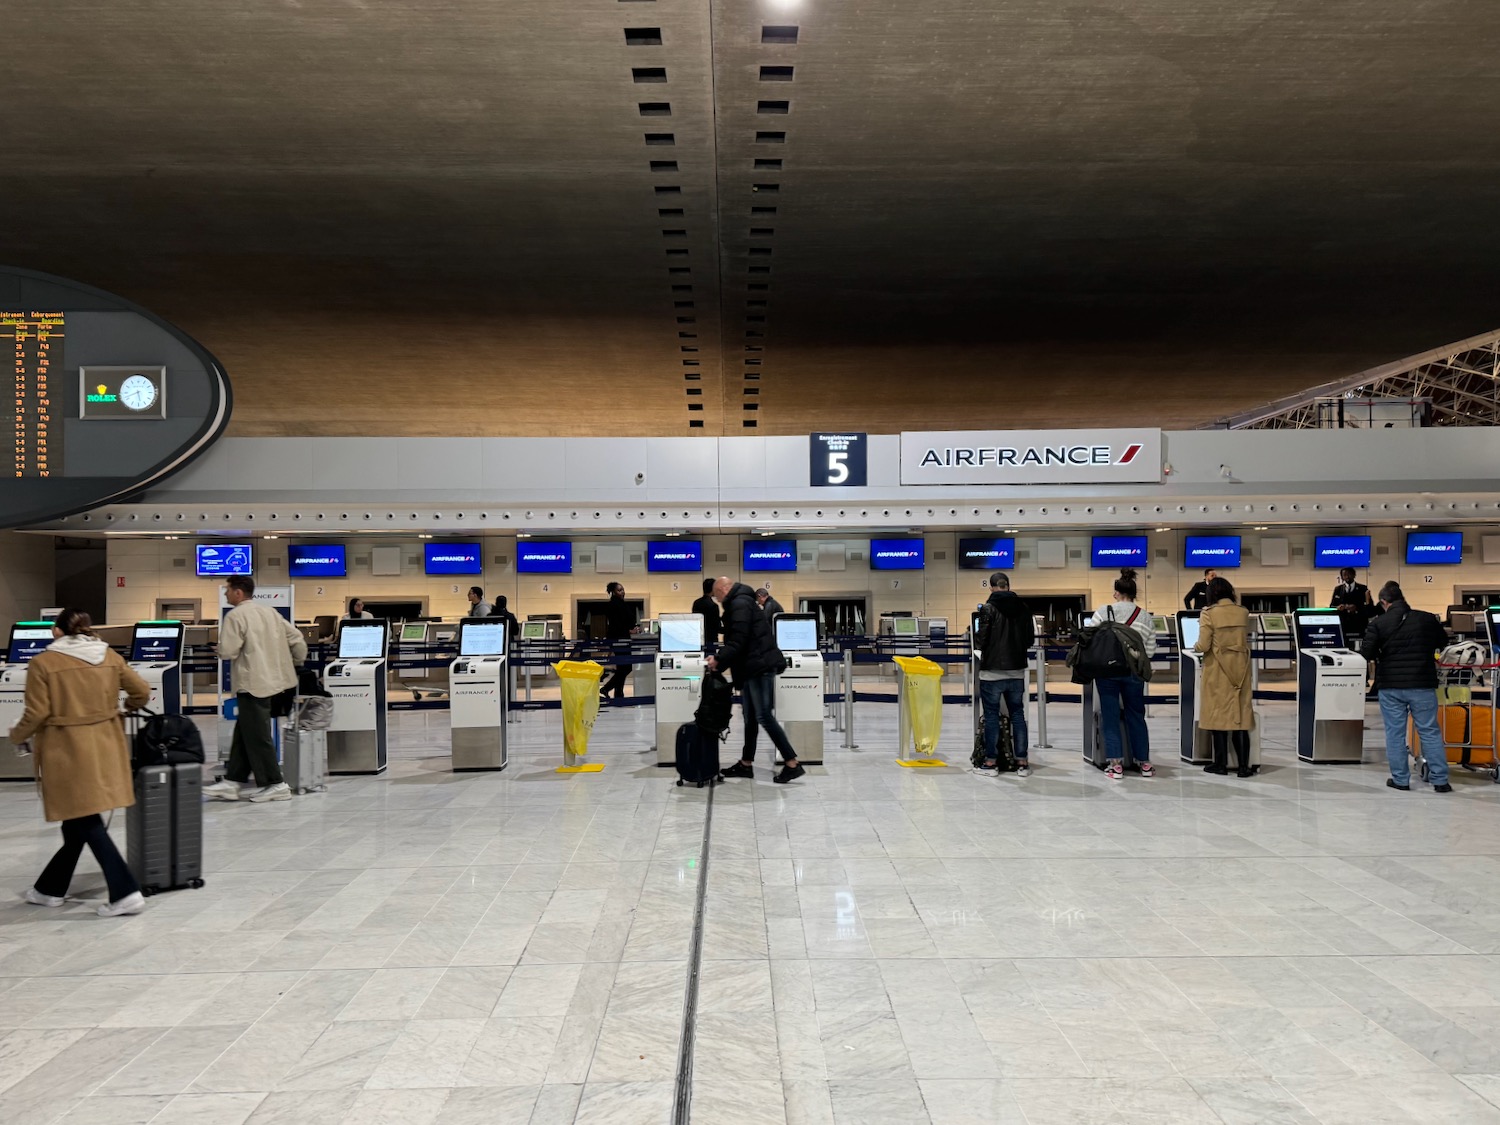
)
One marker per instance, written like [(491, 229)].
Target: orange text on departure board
[(36, 338)]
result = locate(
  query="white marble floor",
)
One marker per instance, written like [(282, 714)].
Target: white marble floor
[(881, 945)]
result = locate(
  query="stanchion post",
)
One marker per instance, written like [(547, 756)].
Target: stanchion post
[(1041, 698), (849, 743)]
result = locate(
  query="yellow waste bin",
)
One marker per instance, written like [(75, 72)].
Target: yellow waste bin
[(921, 703), (580, 703)]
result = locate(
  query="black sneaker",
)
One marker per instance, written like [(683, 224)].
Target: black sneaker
[(1443, 788), (739, 769), (1391, 783), (788, 773)]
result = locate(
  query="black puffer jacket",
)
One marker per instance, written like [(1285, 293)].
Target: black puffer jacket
[(1402, 642), (749, 649), (1006, 631)]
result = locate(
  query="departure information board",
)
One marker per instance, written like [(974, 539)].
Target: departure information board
[(37, 343)]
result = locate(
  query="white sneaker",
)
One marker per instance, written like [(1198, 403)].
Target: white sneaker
[(130, 904), (225, 790), (1023, 768), (36, 898), (281, 791)]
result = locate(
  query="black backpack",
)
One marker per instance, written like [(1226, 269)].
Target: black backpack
[(1110, 650), (716, 705), (1005, 752), (166, 740)]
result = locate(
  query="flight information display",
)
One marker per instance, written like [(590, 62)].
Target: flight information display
[(220, 560), (37, 346)]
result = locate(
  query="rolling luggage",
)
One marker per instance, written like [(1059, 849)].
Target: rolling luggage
[(304, 745), (164, 828), (697, 756)]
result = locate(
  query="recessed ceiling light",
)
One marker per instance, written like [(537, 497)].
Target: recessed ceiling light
[(1262, 528)]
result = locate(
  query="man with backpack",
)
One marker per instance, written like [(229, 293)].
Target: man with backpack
[(1404, 643), (1006, 634), (749, 652)]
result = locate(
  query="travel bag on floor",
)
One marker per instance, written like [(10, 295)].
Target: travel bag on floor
[(304, 759), (697, 756), (164, 828)]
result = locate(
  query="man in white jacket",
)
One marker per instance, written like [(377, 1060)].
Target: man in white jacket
[(263, 649)]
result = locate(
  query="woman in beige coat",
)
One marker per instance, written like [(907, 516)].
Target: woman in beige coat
[(1224, 704), (82, 762)]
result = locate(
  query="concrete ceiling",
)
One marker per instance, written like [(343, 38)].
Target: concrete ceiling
[(442, 217)]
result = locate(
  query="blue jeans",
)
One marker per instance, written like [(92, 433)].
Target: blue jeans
[(1395, 703), (758, 701), (1129, 692), (1014, 691)]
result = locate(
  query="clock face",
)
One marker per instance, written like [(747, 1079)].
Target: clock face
[(138, 392)]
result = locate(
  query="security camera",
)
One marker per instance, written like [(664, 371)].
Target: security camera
[(640, 478)]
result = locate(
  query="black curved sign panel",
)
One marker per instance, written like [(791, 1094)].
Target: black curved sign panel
[(108, 400)]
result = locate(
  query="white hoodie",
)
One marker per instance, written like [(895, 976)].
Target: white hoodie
[(90, 650)]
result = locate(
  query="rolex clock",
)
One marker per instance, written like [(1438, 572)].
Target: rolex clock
[(122, 392)]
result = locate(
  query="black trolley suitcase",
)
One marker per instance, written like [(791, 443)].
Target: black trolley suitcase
[(697, 756), (164, 828)]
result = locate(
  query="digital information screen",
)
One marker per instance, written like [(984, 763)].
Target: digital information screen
[(220, 560), (533, 630), (414, 633), (674, 556), (1187, 631), (761, 555), (1211, 551), (986, 554), (362, 642), (326, 561), (796, 634), (122, 392), (1341, 551), (544, 558), (1436, 548), (156, 643), (38, 365), (897, 554), (483, 638), (27, 638), (1319, 630), (681, 634), (452, 558), (1117, 550)]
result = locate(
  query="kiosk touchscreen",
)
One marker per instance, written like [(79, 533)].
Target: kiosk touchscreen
[(27, 638), (479, 696), (156, 656), (1492, 625), (679, 679), (1330, 690), (799, 687), (356, 681)]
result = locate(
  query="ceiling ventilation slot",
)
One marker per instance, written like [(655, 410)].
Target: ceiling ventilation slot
[(684, 289), (674, 232), (677, 253), (667, 189), (651, 37), (760, 251), (679, 271), (664, 166), (644, 74), (695, 423), (764, 165), (758, 270), (770, 137), (783, 35), (759, 287), (661, 138), (775, 74), (655, 109), (762, 232), (763, 189), (773, 107), (669, 212), (762, 210)]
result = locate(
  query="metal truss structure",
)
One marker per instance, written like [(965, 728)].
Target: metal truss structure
[(1456, 385)]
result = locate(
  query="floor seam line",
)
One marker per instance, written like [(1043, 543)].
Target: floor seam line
[(683, 1096)]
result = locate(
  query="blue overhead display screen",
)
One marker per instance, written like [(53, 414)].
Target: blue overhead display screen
[(220, 560), (543, 558), (769, 554), (1211, 550), (452, 558), (1117, 550), (897, 554), (1341, 551), (1439, 548), (986, 554), (675, 556), (325, 561)]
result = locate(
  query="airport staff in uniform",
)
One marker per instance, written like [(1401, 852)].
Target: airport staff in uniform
[(709, 608), (1197, 597), (1352, 600), (478, 607), (619, 624), (512, 623), (357, 611)]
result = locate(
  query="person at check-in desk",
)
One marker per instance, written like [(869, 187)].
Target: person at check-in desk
[(1197, 597), (478, 607), (619, 623), (357, 611), (512, 623), (1356, 607), (709, 609), (768, 605), (1224, 709)]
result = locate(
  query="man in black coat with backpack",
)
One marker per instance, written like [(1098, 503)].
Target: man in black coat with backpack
[(749, 652)]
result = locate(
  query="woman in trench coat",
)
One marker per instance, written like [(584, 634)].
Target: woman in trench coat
[(72, 716), (1224, 706)]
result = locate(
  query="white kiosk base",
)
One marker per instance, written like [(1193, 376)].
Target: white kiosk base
[(356, 681), (479, 695), (679, 679), (799, 689)]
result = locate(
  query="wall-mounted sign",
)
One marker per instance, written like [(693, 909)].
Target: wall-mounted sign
[(122, 392), (1031, 457), (838, 461)]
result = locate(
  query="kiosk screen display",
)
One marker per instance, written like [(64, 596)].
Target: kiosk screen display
[(220, 560), (27, 638), (1160, 625), (1336, 551), (481, 638), (156, 643), (986, 554), (758, 555), (1187, 630), (543, 558), (1494, 625), (414, 633), (452, 558), (1107, 551), (675, 556), (898, 554), (1320, 630), (326, 561), (533, 630), (362, 642), (682, 634), (1273, 623), (1436, 548), (1219, 551), (796, 634), (904, 626)]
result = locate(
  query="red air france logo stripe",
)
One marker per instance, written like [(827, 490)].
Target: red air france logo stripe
[(1129, 455)]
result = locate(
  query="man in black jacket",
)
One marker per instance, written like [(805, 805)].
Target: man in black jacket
[(710, 611), (749, 652), (1006, 633), (619, 624), (1352, 600), (1404, 643), (512, 622), (1197, 597)]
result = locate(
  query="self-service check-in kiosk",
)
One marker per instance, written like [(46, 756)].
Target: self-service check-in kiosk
[(1330, 689), (356, 681), (1195, 744), (679, 679), (27, 638), (799, 688), (479, 695), (156, 656)]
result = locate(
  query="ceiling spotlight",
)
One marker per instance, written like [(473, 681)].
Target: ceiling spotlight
[(1409, 526), (1263, 528)]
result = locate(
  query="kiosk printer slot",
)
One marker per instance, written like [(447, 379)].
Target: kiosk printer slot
[(479, 695), (156, 656), (679, 679), (1330, 690), (356, 681), (1194, 744), (27, 638), (799, 689)]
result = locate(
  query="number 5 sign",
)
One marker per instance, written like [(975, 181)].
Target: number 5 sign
[(837, 460)]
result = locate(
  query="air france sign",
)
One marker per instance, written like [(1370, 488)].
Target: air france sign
[(1031, 457)]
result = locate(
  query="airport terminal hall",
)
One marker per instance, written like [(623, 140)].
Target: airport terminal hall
[(750, 562)]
